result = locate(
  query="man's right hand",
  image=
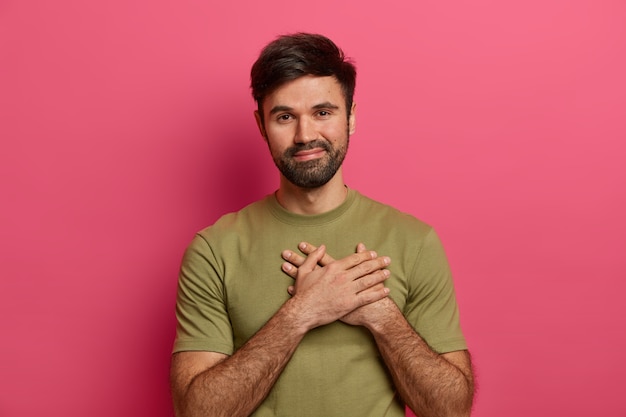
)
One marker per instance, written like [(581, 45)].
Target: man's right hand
[(328, 293)]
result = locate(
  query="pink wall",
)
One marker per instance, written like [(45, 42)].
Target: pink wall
[(127, 125)]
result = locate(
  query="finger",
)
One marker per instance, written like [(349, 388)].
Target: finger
[(291, 290), (293, 258), (372, 280), (289, 269), (307, 249), (372, 294), (360, 248), (362, 261), (366, 268), (312, 260), (376, 289)]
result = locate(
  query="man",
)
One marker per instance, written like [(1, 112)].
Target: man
[(342, 330)]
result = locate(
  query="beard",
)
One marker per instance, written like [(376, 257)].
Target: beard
[(315, 172)]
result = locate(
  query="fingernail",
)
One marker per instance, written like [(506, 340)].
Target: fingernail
[(302, 245), (287, 267), (386, 260)]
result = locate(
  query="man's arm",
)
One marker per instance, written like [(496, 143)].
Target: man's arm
[(213, 384), (429, 383), (207, 383)]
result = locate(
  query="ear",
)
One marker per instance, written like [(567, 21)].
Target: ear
[(259, 124), (352, 119)]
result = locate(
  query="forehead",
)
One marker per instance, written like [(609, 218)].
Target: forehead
[(305, 93)]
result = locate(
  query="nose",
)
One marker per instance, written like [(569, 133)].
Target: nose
[(305, 131)]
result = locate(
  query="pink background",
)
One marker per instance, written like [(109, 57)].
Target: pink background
[(127, 125)]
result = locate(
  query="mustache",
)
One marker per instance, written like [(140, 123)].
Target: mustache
[(317, 143)]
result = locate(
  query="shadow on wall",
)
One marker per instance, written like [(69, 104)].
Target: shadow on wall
[(239, 168), (225, 167)]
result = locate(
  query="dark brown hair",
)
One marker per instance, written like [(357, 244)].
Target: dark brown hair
[(289, 57)]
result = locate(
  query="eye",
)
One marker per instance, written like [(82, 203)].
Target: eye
[(323, 113), (284, 117)]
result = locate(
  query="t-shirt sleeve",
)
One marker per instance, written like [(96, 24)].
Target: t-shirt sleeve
[(431, 306), (201, 313)]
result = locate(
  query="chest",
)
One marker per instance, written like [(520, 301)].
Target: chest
[(256, 287)]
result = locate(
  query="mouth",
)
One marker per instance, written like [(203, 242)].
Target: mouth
[(309, 154)]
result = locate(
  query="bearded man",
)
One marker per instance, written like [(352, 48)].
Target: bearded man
[(359, 318)]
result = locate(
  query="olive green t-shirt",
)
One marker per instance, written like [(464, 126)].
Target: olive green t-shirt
[(231, 283)]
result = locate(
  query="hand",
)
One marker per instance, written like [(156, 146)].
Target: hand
[(328, 289), (363, 315)]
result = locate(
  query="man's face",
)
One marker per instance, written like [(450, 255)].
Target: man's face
[(307, 129)]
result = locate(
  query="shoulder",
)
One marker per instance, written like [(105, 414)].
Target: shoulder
[(234, 223), (215, 243), (391, 217)]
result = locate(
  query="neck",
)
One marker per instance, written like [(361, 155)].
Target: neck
[(312, 200)]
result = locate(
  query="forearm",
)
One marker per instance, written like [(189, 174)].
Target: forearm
[(429, 384), (237, 385)]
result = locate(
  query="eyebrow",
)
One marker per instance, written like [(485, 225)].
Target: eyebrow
[(324, 105), (277, 109)]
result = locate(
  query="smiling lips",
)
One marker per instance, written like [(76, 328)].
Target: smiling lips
[(309, 154)]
